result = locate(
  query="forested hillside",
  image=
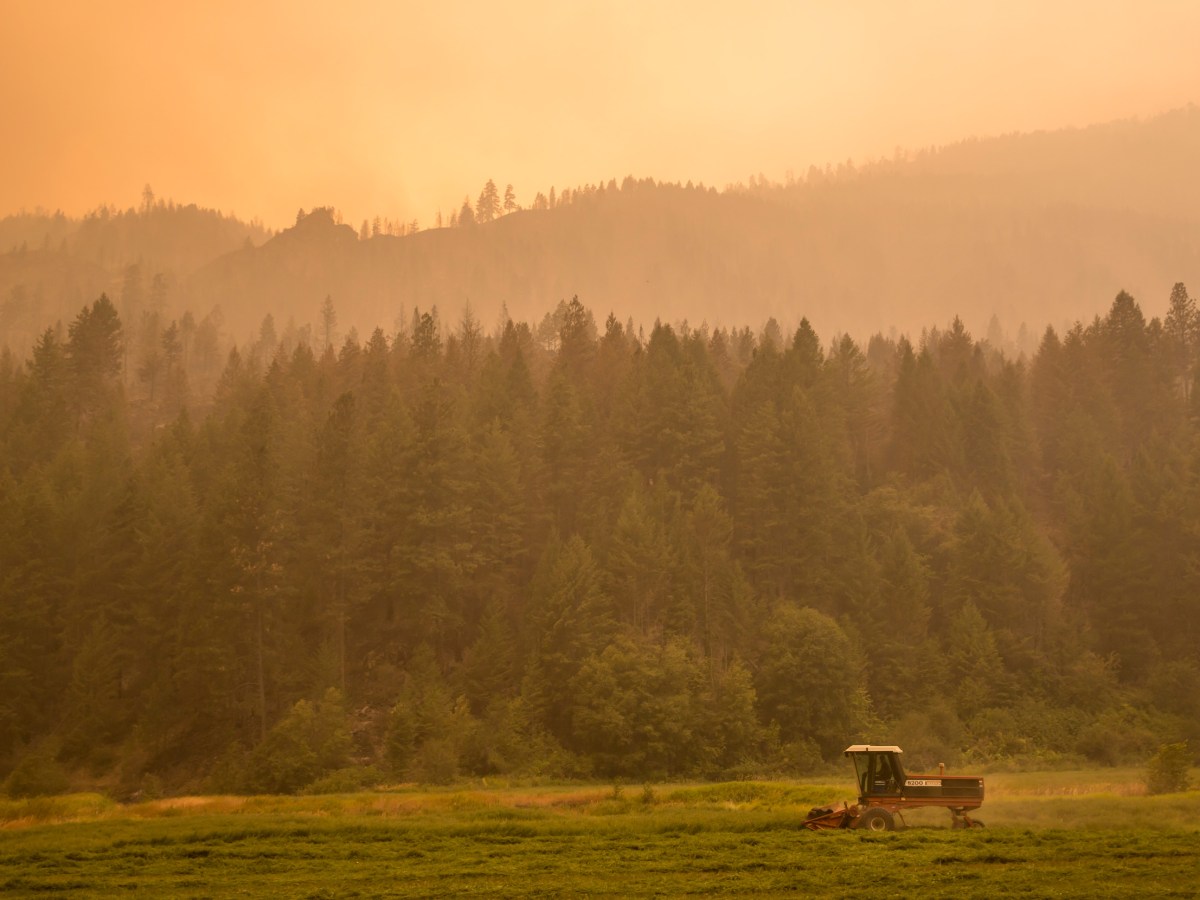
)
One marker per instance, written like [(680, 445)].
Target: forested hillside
[(579, 550), (52, 264), (1031, 229)]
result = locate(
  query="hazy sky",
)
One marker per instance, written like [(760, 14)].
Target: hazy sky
[(402, 108)]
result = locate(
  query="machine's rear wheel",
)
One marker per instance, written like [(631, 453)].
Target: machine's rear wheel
[(877, 819)]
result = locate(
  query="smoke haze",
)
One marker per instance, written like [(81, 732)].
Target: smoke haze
[(399, 109)]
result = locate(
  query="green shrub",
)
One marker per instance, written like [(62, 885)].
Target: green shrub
[(1168, 769), (36, 775), (228, 774), (400, 741), (1119, 737), (1030, 731), (346, 781), (310, 741), (799, 757), (929, 736), (436, 761), (151, 787)]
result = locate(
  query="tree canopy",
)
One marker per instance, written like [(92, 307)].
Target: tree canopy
[(568, 551)]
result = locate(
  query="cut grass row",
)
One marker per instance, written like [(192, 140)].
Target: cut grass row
[(611, 856)]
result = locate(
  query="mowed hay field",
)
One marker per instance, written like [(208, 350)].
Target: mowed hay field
[(1063, 834)]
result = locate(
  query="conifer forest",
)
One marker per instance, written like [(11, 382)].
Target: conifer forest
[(576, 547)]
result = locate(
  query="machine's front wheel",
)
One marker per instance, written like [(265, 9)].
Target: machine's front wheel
[(877, 819)]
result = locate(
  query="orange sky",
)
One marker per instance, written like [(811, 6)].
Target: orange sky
[(399, 108)]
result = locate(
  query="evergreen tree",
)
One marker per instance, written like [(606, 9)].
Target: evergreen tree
[(500, 519), (564, 453), (488, 208), (570, 618), (466, 215), (641, 566), (1182, 328), (556, 552), (433, 549), (328, 324), (94, 350)]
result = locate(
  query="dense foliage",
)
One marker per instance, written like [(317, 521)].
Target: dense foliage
[(581, 551)]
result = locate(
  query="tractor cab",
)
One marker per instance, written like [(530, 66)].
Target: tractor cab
[(879, 771)]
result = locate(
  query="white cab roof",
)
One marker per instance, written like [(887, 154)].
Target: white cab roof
[(873, 748)]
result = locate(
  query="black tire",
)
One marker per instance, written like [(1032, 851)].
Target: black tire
[(877, 819), (975, 823)]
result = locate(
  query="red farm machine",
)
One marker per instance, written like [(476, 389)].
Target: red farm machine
[(885, 791)]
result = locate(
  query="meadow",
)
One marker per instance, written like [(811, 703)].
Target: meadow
[(1061, 834)]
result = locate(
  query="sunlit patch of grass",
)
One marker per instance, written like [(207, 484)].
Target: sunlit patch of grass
[(1097, 811), (1125, 782), (755, 794), (64, 808), (176, 806), (574, 798)]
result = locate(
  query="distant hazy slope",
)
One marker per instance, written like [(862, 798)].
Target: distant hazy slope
[(1037, 228), (51, 265)]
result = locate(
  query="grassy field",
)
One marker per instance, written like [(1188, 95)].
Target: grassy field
[(1057, 834)]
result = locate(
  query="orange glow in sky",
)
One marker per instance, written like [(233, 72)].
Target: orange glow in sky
[(403, 108)]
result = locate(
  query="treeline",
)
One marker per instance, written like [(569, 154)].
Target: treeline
[(1030, 229), (51, 264), (584, 552)]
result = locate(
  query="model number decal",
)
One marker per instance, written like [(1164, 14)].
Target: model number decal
[(923, 782)]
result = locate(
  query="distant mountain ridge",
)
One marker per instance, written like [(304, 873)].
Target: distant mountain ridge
[(52, 264), (1039, 228)]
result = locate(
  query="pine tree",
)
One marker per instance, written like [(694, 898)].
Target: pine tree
[(94, 350), (570, 618), (249, 523), (724, 608), (466, 215), (1182, 328), (334, 531), (896, 628), (564, 451), (761, 500), (1006, 570), (975, 666), (641, 566), (500, 517), (488, 207), (328, 324)]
